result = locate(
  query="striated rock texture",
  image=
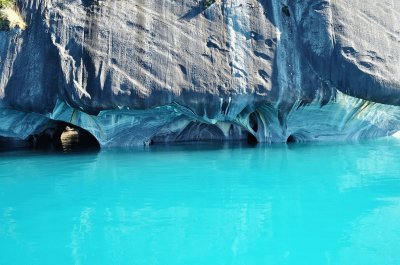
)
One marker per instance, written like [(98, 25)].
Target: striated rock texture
[(133, 72)]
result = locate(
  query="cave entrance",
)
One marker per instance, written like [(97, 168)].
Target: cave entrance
[(251, 139), (253, 122), (75, 138), (291, 139), (63, 136)]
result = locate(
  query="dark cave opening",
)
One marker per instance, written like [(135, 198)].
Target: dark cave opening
[(253, 122), (291, 139), (285, 10), (251, 139), (63, 136), (76, 138)]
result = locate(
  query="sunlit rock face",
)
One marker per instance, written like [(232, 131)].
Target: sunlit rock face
[(142, 71)]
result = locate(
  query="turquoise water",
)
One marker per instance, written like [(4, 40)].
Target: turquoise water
[(203, 204)]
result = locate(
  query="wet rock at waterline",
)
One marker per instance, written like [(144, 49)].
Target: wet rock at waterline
[(137, 72)]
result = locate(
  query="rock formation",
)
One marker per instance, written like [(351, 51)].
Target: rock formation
[(133, 72)]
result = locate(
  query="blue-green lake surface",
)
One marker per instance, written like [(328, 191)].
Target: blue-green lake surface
[(203, 204)]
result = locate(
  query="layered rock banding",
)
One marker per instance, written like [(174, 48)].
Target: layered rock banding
[(139, 72)]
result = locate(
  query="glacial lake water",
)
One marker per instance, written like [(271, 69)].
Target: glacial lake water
[(333, 203)]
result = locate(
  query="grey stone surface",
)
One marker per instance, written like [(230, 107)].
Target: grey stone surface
[(138, 71)]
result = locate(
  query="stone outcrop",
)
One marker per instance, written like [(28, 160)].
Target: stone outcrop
[(141, 71)]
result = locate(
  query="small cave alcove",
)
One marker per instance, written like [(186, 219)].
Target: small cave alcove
[(251, 138), (291, 139), (285, 10), (63, 136)]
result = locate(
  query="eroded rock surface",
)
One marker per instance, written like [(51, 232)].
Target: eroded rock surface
[(141, 71)]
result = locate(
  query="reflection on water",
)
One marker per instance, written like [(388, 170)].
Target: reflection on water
[(203, 204)]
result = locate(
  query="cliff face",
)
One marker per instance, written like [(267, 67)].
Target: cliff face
[(132, 72)]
